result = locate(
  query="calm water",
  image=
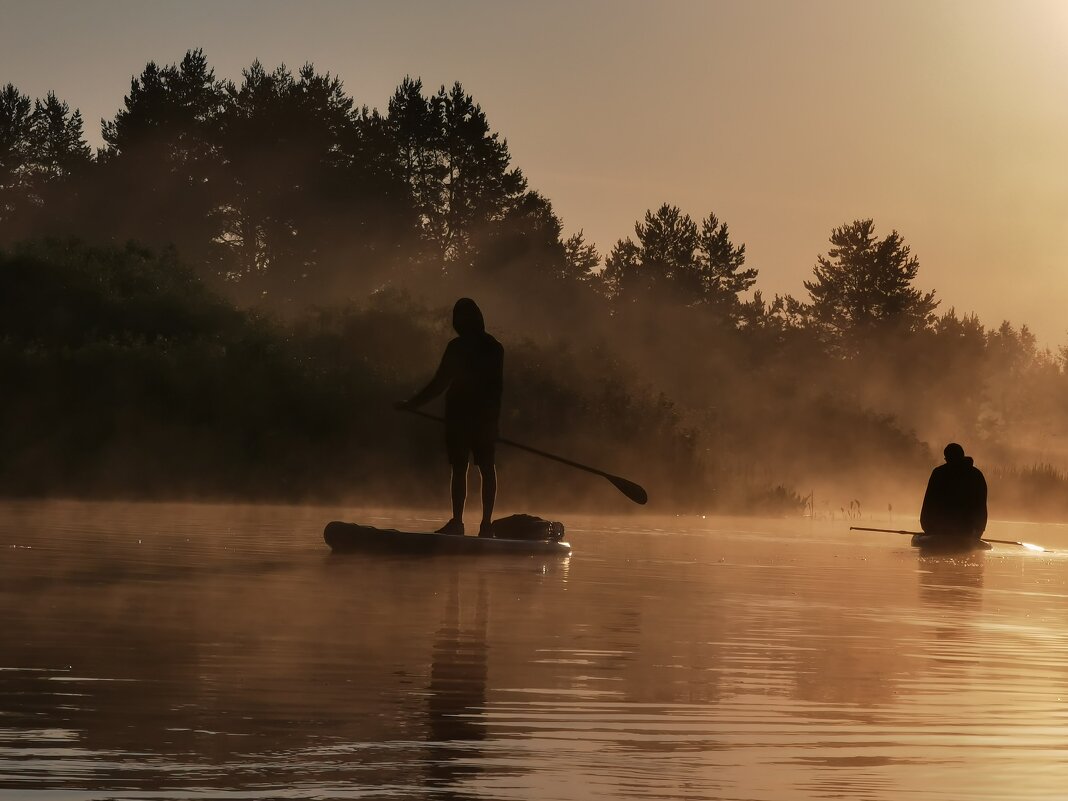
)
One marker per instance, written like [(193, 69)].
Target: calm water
[(196, 652)]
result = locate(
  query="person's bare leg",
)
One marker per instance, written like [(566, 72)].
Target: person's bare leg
[(489, 494), (459, 492)]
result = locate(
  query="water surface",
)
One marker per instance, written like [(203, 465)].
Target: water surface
[(155, 651)]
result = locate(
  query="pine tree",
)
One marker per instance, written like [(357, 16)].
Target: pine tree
[(59, 140), (161, 169), (678, 263), (863, 286), (16, 160)]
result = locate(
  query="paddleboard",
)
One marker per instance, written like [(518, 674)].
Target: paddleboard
[(930, 542), (353, 537)]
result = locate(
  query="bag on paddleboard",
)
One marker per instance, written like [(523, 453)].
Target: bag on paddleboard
[(527, 527)]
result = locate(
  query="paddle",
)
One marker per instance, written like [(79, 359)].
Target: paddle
[(633, 491), (1028, 545)]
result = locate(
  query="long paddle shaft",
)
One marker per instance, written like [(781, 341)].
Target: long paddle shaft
[(1029, 545), (633, 491)]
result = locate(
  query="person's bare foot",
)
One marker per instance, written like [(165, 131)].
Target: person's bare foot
[(485, 529), (454, 526)]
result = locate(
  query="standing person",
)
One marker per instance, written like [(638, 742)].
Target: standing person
[(471, 374), (955, 502)]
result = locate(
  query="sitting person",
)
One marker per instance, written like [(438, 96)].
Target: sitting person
[(955, 502)]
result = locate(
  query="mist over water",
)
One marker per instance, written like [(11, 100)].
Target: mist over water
[(194, 651), (256, 267)]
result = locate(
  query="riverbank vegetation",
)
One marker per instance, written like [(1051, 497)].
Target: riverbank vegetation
[(226, 298)]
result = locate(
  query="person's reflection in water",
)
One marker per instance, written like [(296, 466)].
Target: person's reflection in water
[(457, 694), (953, 588), (952, 583)]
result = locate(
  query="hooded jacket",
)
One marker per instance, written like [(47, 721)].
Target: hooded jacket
[(955, 502), (471, 372)]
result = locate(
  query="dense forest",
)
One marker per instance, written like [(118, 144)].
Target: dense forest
[(226, 298)]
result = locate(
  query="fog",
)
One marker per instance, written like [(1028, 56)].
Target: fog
[(226, 300)]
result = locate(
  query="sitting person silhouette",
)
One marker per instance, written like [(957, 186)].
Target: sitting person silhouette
[(955, 502), (471, 374)]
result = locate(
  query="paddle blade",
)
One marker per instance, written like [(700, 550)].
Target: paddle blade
[(633, 491), (1031, 546), (1028, 545)]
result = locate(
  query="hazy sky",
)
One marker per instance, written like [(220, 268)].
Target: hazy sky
[(945, 120)]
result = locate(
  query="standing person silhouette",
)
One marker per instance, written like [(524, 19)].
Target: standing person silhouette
[(955, 502), (471, 374)]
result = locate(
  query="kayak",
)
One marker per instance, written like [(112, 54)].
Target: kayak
[(932, 542), (352, 537)]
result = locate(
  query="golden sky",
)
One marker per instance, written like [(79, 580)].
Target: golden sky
[(944, 119)]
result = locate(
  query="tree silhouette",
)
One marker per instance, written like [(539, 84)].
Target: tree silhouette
[(16, 156), (581, 258), (864, 286), (414, 128), (59, 139), (161, 169), (172, 108), (299, 198), (676, 262), (478, 184), (311, 206), (280, 135), (720, 264), (458, 171), (42, 154)]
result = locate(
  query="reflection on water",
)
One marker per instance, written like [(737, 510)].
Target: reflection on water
[(456, 697), (953, 582), (183, 651)]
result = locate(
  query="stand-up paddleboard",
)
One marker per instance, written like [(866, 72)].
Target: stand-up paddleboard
[(522, 534), (936, 544), (950, 544)]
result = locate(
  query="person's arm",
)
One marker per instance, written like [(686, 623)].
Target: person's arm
[(439, 383)]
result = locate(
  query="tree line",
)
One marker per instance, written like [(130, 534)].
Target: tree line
[(308, 246)]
